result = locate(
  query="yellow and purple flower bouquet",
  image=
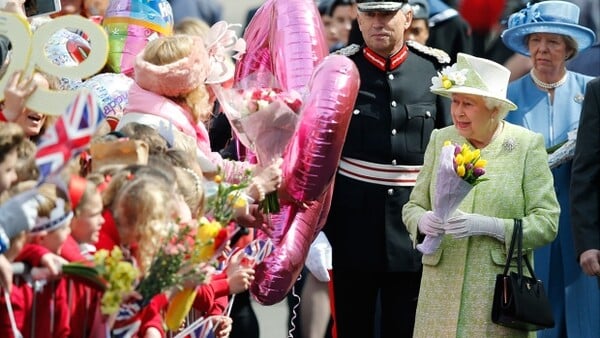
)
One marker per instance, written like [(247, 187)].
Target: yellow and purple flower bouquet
[(461, 168)]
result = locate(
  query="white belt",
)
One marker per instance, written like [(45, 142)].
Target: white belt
[(377, 173)]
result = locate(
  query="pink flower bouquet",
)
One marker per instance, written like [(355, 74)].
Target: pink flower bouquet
[(264, 120)]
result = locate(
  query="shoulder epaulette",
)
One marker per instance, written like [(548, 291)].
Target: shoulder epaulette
[(348, 50), (440, 56)]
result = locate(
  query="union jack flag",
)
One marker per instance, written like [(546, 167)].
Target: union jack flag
[(254, 253), (202, 328), (259, 249), (71, 133)]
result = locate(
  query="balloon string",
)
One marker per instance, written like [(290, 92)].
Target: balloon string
[(294, 314), (11, 315)]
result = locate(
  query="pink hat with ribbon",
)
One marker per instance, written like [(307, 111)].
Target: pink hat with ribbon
[(208, 63)]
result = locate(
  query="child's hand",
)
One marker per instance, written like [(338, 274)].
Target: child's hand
[(255, 219), (152, 332), (6, 273), (239, 276), (53, 262), (222, 326)]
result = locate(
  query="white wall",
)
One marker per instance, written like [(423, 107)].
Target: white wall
[(234, 11)]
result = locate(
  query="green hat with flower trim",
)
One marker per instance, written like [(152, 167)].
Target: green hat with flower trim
[(474, 76)]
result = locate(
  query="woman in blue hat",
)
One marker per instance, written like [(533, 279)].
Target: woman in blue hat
[(549, 98)]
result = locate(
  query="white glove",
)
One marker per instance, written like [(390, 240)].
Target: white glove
[(431, 225), (20, 212), (465, 225), (318, 260)]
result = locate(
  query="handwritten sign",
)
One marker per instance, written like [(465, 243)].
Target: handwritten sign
[(28, 56)]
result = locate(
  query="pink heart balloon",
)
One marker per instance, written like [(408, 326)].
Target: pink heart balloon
[(309, 164), (257, 58), (298, 42), (313, 155), (277, 274)]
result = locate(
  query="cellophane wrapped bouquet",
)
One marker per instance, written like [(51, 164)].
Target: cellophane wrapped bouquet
[(264, 119), (459, 171)]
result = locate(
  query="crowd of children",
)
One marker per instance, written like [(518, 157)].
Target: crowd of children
[(148, 177)]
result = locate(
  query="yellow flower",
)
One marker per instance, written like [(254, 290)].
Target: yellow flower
[(447, 143), (125, 273), (204, 253), (460, 170), (240, 203), (446, 83), (480, 163), (116, 253), (468, 156), (465, 148), (100, 256), (208, 230), (459, 159), (218, 179), (111, 300)]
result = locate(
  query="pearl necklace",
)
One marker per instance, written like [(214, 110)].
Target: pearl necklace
[(545, 85)]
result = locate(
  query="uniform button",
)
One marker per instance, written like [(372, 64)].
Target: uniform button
[(393, 104), (393, 162), (393, 131), (390, 191), (391, 76), (428, 113), (356, 112)]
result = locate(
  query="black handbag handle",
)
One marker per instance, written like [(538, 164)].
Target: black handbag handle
[(517, 237)]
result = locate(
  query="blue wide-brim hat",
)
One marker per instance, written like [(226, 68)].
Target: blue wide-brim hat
[(556, 17)]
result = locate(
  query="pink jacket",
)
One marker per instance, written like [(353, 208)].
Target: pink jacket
[(155, 110)]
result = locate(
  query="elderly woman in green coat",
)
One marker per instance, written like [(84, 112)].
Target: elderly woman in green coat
[(457, 287)]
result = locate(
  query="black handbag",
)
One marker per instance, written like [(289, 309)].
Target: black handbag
[(520, 301)]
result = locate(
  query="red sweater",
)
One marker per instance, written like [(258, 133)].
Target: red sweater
[(42, 314), (83, 300), (211, 298)]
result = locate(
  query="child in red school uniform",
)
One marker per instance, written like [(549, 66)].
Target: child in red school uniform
[(142, 206), (40, 307), (85, 226)]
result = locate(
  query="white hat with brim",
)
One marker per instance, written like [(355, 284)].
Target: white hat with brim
[(554, 17), (380, 6), (474, 76)]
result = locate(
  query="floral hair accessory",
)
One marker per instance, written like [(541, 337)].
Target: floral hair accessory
[(449, 77), (176, 78), (220, 41)]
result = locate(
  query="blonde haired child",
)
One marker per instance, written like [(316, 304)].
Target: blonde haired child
[(171, 94), (143, 212)]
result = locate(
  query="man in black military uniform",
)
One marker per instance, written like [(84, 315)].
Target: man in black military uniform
[(394, 115)]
